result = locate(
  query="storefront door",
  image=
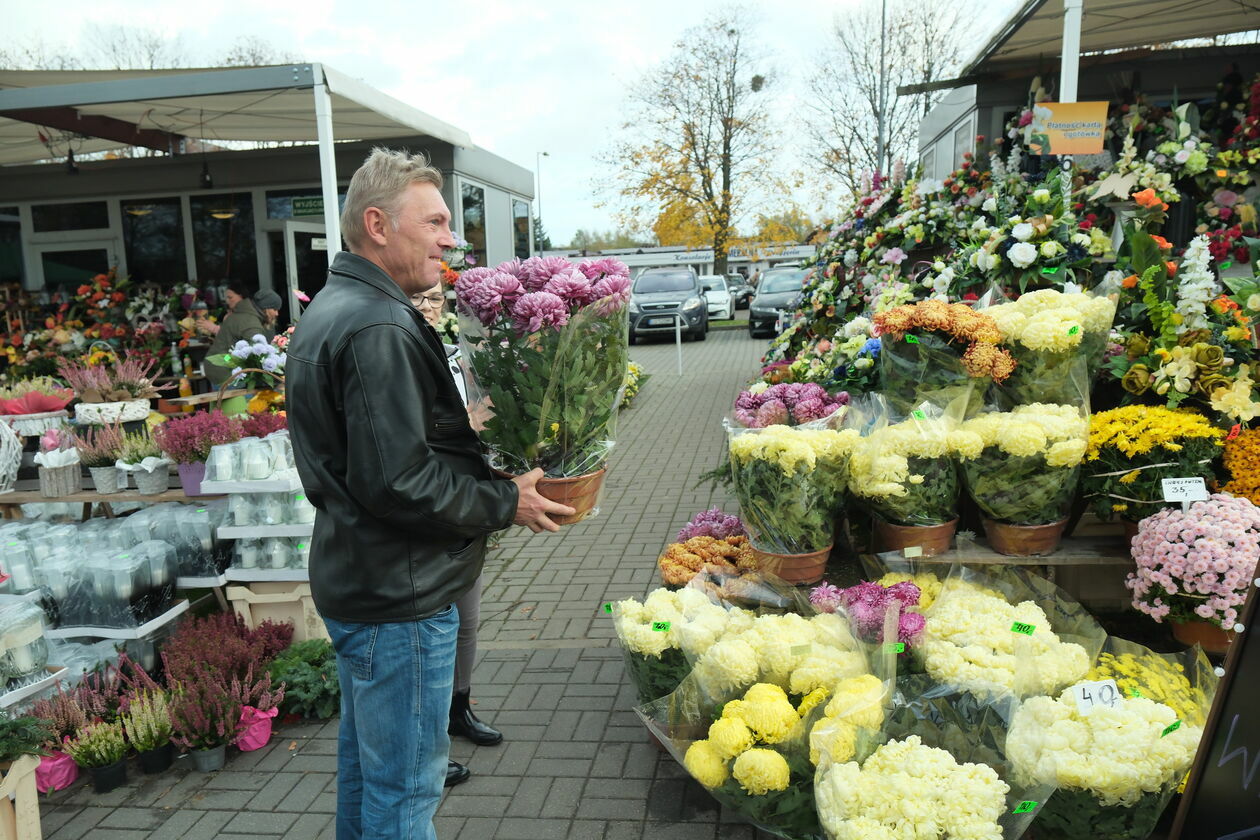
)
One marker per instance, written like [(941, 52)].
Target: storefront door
[(299, 258)]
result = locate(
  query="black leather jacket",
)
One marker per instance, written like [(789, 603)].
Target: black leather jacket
[(403, 495)]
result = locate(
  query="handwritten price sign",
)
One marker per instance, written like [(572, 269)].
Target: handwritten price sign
[(1100, 693)]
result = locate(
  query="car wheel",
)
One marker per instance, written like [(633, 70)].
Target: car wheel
[(703, 334), (633, 339)]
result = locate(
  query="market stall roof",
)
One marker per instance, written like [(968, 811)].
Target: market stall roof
[(161, 108), (1035, 30)]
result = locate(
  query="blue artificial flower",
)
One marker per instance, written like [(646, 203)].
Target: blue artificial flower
[(871, 347)]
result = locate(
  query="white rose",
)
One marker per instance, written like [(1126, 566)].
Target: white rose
[(1041, 196), (1049, 249), (938, 266), (1022, 254), (1082, 239), (1022, 231), (1182, 156), (990, 205), (1253, 303)]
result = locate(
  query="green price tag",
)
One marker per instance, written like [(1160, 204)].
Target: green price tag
[(1026, 807), (918, 414), (1025, 629), (1226, 264), (660, 626), (301, 546), (1050, 270), (298, 497), (1074, 330), (1171, 728), (11, 545), (607, 608), (911, 340), (201, 510), (1133, 692), (124, 557), (895, 647)]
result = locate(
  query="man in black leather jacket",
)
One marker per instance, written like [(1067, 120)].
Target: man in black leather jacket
[(403, 494)]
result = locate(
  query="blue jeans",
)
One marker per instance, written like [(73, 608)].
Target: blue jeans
[(396, 682)]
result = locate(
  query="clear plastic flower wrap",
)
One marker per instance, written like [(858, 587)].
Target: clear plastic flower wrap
[(928, 763), (790, 483), (903, 468), (112, 588), (23, 650), (1022, 466)]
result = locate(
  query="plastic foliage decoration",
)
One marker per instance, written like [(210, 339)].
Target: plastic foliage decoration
[(547, 349)]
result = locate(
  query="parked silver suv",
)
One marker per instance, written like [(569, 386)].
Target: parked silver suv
[(660, 295)]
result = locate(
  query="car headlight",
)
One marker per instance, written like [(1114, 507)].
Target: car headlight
[(634, 307), (692, 303)]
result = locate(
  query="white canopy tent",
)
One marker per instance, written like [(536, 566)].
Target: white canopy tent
[(166, 109)]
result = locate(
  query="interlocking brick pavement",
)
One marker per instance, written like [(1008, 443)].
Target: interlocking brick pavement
[(577, 762)]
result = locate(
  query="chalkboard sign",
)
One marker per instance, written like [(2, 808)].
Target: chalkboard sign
[(1222, 798)]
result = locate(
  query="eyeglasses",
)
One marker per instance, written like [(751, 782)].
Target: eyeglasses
[(432, 301)]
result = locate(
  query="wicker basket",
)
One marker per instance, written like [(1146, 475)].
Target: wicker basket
[(60, 481)]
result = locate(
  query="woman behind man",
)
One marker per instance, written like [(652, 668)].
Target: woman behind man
[(463, 721)]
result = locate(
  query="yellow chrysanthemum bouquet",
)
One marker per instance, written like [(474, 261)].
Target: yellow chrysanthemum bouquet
[(1021, 466), (1132, 449), (1057, 340)]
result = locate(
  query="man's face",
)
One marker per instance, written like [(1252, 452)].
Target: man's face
[(412, 254), (270, 315)]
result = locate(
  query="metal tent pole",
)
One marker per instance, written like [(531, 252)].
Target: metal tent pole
[(1070, 66), (327, 165)]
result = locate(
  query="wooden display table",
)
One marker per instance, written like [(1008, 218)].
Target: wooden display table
[(27, 492), (211, 396)]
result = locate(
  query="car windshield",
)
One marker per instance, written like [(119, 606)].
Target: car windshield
[(783, 281), (717, 283), (664, 281)]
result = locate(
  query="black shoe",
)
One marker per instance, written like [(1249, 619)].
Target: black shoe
[(456, 774), (465, 723)]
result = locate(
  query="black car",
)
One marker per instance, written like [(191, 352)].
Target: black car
[(661, 295), (777, 296), (741, 289)]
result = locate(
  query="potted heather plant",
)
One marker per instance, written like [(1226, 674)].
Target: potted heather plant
[(57, 769), (58, 461), (99, 748), (147, 723), (205, 715), (141, 455), (188, 440), (117, 393), (99, 448)]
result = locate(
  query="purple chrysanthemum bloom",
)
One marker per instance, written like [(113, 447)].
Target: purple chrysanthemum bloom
[(825, 597), (712, 523), (748, 401), (488, 294), (865, 592), (772, 413), (469, 278), (616, 286), (746, 418), (905, 592), (840, 399), (910, 628), (538, 270), (535, 310), (514, 267), (811, 391), (570, 286), (811, 409), (605, 267), (867, 619)]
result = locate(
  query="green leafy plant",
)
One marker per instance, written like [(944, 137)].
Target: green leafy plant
[(308, 672), (148, 721), (24, 736), (97, 745)]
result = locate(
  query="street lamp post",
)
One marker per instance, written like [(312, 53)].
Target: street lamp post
[(538, 156)]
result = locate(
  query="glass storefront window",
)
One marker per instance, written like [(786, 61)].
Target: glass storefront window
[(223, 239), (72, 268), (520, 228), (77, 215), (12, 269), (153, 236), (474, 211), (299, 204)]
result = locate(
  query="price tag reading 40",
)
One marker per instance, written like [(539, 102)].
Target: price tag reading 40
[(1101, 693)]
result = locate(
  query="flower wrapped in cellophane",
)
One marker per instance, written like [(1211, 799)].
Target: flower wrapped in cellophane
[(932, 345), (1021, 466), (1057, 340), (790, 482), (547, 348), (903, 469), (661, 634), (1116, 763)]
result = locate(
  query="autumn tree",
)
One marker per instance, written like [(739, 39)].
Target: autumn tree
[(696, 140), (925, 41)]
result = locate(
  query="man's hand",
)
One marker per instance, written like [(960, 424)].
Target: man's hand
[(532, 508)]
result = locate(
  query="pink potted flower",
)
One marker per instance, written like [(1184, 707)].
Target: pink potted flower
[(188, 440)]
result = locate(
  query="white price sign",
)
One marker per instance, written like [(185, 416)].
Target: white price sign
[(1101, 693), (1185, 490)]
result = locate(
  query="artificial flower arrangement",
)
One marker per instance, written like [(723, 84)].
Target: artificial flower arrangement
[(1136, 180), (1133, 448), (34, 396), (785, 404), (1021, 466), (1196, 565), (546, 343), (931, 345), (790, 483), (846, 361), (246, 358), (1115, 767), (1057, 341)]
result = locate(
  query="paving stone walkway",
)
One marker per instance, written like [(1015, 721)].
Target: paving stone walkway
[(577, 763)]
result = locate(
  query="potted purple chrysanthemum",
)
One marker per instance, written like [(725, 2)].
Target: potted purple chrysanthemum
[(547, 350)]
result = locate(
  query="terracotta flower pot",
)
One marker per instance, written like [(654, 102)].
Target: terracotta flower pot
[(1024, 540), (580, 492), (794, 568), (933, 539), (1211, 637)]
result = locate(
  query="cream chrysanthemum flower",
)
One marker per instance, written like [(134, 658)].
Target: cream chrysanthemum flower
[(728, 666), (730, 736), (761, 771), (706, 763)]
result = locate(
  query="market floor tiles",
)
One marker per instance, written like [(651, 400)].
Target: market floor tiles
[(576, 762)]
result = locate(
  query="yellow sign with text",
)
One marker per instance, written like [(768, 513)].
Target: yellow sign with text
[(1067, 128)]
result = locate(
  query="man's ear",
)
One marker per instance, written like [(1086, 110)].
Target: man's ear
[(377, 225)]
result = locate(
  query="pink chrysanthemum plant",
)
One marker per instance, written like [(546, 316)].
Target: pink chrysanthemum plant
[(546, 347), (1196, 565)]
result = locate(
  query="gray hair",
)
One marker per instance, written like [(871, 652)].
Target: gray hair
[(380, 182)]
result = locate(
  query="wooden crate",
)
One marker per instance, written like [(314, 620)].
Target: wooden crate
[(19, 801), (279, 601)]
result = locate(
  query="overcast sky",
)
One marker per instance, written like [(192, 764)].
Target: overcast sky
[(520, 77)]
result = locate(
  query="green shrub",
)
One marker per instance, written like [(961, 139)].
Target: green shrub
[(309, 673)]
